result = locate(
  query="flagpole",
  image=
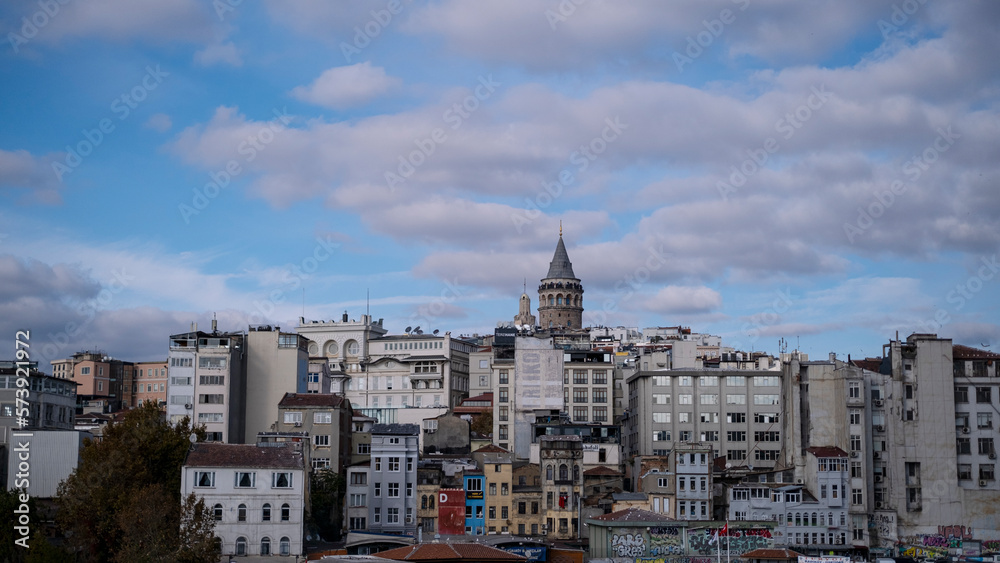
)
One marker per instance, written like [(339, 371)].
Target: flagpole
[(718, 546), (727, 540)]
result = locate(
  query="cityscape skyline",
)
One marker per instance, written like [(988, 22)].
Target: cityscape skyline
[(821, 174)]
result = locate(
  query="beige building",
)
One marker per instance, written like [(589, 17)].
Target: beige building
[(527, 517), (327, 420), (276, 364), (146, 382), (497, 467), (100, 378), (561, 462)]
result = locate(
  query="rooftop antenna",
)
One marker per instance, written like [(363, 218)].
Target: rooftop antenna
[(525, 286), (560, 228), (367, 301)]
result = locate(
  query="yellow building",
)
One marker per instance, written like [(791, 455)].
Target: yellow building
[(497, 467)]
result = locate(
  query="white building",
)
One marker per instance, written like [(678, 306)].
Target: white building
[(392, 501), (208, 382), (258, 494)]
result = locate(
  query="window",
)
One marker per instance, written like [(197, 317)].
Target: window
[(503, 395), (766, 436), (766, 381), (174, 381), (364, 449), (854, 389), (600, 395), (765, 418), (286, 512), (710, 436), (855, 415), (217, 511), (212, 362), (661, 417), (986, 446), (580, 377), (293, 418), (684, 381), (580, 414), (964, 446), (393, 490), (857, 497), (736, 417), (710, 399), (736, 435), (359, 499), (503, 376), (661, 435), (245, 479), (736, 380), (736, 455), (284, 546), (766, 399), (393, 464), (579, 395), (600, 377), (281, 480), (265, 513), (211, 380), (600, 414), (986, 472), (961, 394), (241, 546), (211, 399), (855, 469), (661, 398), (984, 395), (855, 442), (241, 513), (736, 399), (357, 524), (708, 381), (684, 399), (322, 418), (984, 420), (766, 455), (204, 478), (661, 381)]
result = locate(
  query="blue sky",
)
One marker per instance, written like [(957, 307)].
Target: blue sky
[(821, 172)]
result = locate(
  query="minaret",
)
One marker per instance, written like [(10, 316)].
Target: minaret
[(560, 295), (524, 316)]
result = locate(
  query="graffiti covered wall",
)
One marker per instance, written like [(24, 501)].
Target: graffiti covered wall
[(737, 542)]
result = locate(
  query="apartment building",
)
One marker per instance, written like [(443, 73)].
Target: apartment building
[(147, 382), (276, 363), (326, 420), (497, 466), (692, 464), (561, 463), (208, 382), (51, 400), (392, 504), (736, 413), (100, 377), (528, 518), (259, 495)]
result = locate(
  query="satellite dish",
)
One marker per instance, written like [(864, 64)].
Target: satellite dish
[(436, 331), (408, 329), (417, 329), (193, 437)]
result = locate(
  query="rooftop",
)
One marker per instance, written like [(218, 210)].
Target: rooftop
[(634, 515), (827, 451), (449, 552), (398, 429), (772, 554), (560, 267), (960, 352), (311, 400), (280, 455)]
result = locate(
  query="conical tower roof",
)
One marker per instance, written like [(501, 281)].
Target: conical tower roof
[(560, 267)]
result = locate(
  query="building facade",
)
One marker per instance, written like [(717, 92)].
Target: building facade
[(208, 382), (147, 382), (560, 294), (392, 501), (276, 363), (327, 420), (257, 494)]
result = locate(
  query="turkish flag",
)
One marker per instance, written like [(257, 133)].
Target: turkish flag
[(725, 530)]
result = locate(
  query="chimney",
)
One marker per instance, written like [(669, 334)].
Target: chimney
[(345, 317)]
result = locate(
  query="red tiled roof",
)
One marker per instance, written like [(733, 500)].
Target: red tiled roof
[(827, 451), (634, 515), (870, 364), (210, 454), (960, 352), (449, 552), (600, 470), (484, 397), (490, 449), (310, 400), (765, 553)]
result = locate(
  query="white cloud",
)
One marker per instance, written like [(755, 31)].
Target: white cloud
[(219, 53), (159, 122), (347, 86), (674, 299), (21, 169)]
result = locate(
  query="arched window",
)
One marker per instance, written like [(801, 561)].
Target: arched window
[(559, 300), (548, 473), (265, 512), (576, 473), (814, 519), (284, 546), (790, 519), (241, 513), (265, 546), (286, 512), (563, 472), (798, 519), (218, 544), (217, 512), (431, 501), (552, 301), (822, 519), (241, 546)]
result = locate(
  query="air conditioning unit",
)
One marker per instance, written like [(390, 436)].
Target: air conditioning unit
[(993, 455), (855, 454), (876, 455), (879, 504), (880, 428), (982, 482), (545, 532), (878, 402), (189, 406), (965, 430), (878, 478), (298, 424)]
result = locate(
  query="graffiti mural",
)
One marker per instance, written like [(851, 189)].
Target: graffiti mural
[(991, 546), (738, 542), (675, 560), (628, 545), (960, 532), (665, 541), (883, 528)]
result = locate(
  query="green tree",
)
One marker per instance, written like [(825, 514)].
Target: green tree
[(132, 476), (326, 500)]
